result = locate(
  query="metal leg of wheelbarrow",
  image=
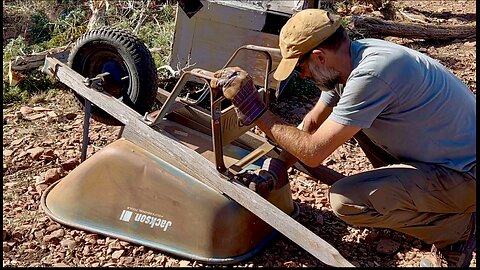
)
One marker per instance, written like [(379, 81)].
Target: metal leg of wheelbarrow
[(86, 125)]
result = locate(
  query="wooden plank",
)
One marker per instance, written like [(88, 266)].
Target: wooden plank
[(161, 144), (25, 63)]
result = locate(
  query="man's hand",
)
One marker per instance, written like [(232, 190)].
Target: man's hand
[(276, 170), (238, 87), (272, 175)]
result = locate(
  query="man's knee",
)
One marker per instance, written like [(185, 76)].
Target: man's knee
[(342, 200), (356, 198)]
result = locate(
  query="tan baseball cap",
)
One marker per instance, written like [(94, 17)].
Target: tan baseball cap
[(303, 32)]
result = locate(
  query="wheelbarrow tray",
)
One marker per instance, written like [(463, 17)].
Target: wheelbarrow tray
[(126, 192)]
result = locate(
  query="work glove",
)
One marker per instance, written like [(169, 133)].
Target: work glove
[(271, 176), (238, 87)]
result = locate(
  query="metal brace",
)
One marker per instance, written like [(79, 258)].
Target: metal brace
[(96, 82), (54, 70)]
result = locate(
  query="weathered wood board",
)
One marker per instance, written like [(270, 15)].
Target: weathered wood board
[(28, 62), (161, 144)]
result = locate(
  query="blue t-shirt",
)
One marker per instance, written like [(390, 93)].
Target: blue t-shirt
[(408, 104)]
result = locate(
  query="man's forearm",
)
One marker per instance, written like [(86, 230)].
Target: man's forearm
[(293, 140), (311, 149), (310, 124), (288, 158)]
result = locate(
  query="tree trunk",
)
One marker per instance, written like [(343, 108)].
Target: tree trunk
[(381, 28), (98, 8)]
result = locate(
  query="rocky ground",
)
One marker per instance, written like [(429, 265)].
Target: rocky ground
[(42, 143)]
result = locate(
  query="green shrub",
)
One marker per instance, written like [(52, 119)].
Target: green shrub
[(43, 35), (156, 36), (16, 47), (41, 29), (69, 27), (156, 31), (13, 94)]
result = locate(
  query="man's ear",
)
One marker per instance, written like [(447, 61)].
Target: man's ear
[(319, 54)]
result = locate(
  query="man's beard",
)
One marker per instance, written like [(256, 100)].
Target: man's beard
[(324, 78)]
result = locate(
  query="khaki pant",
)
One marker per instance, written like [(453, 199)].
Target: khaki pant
[(430, 202)]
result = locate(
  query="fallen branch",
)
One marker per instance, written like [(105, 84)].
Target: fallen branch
[(22, 64), (381, 28)]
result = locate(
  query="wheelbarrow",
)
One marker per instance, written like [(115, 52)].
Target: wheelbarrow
[(168, 182)]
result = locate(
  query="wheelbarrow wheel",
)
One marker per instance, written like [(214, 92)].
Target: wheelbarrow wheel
[(133, 76)]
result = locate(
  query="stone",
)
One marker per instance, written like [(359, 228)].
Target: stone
[(16, 142), (117, 254), (49, 154), (70, 164), (50, 239), (24, 110), (6, 248), (184, 263), (91, 238), (10, 184), (69, 243), (86, 250), (51, 175), (53, 227), (41, 109), (372, 237), (38, 234), (58, 233), (115, 245), (470, 43), (17, 235), (52, 114), (387, 246), (35, 116), (35, 152), (70, 115), (40, 188)]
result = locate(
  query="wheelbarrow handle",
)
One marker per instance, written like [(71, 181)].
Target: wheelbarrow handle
[(201, 73)]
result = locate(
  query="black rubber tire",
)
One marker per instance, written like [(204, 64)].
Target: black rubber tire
[(122, 54)]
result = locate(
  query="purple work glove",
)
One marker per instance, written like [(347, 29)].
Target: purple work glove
[(272, 175), (238, 87)]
